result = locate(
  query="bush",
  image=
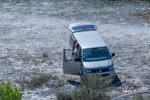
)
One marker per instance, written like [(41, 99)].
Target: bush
[(64, 96), (7, 93), (93, 88)]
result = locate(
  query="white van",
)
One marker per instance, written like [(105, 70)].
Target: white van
[(93, 56)]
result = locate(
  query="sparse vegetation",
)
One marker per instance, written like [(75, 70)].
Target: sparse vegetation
[(139, 97), (64, 96), (93, 88), (95, 2), (16, 1), (8, 93), (36, 82), (144, 15)]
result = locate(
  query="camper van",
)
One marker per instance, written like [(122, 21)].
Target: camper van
[(93, 55)]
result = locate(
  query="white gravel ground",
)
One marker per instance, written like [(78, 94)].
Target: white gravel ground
[(29, 30)]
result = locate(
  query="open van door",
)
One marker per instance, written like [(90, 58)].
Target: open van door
[(69, 65)]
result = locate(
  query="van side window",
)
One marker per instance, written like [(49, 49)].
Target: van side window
[(72, 42), (80, 55)]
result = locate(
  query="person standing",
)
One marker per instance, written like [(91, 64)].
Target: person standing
[(76, 51)]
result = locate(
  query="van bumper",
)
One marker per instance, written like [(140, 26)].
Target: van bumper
[(110, 73)]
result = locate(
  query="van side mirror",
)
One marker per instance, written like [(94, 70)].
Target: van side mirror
[(113, 54)]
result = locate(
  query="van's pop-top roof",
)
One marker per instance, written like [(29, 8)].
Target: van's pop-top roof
[(78, 27), (87, 37)]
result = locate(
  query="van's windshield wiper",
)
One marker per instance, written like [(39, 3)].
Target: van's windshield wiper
[(99, 59), (106, 58)]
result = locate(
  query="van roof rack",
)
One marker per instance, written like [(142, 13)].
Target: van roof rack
[(84, 26)]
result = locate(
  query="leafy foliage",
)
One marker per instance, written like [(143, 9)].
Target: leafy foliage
[(8, 93)]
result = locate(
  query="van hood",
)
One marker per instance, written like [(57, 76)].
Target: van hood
[(98, 64)]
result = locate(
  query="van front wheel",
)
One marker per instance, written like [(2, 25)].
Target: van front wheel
[(83, 77)]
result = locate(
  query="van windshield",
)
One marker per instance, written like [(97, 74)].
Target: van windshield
[(95, 54)]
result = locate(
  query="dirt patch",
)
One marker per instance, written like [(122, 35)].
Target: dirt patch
[(145, 14), (36, 82)]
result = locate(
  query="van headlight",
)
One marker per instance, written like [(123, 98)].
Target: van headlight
[(88, 71), (111, 68)]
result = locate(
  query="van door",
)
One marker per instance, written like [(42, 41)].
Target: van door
[(69, 65)]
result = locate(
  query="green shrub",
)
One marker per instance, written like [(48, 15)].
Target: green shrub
[(93, 88), (64, 96), (7, 93)]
